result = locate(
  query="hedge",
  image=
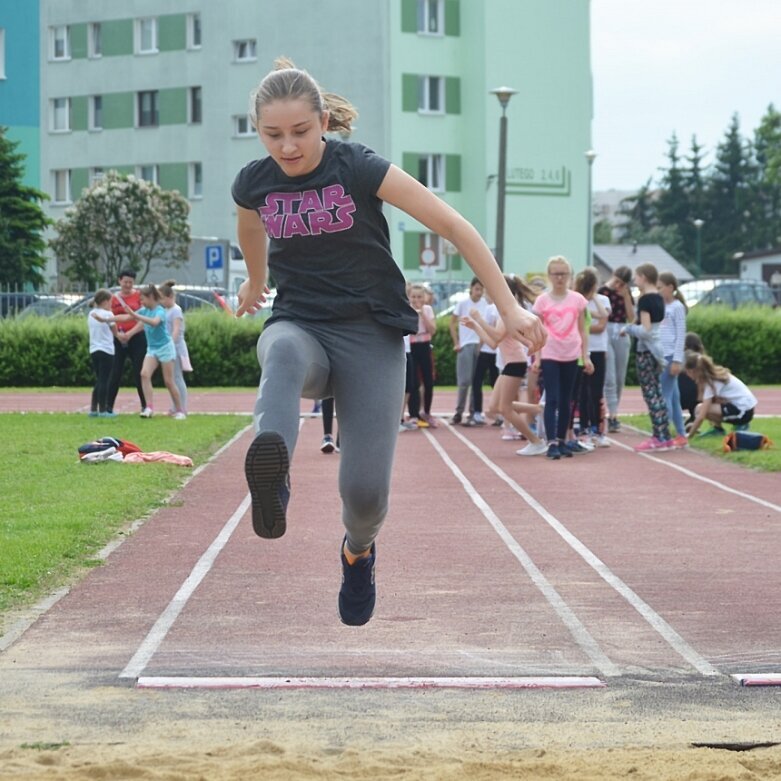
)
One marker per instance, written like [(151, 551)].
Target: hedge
[(54, 351)]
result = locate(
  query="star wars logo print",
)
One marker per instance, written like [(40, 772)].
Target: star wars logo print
[(307, 213)]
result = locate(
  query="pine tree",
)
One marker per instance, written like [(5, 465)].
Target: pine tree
[(639, 213), (22, 221), (767, 147), (672, 208)]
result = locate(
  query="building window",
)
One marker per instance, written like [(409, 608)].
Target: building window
[(149, 173), (431, 94), (2, 53), (194, 31), (196, 180), (242, 127), (196, 114), (432, 253), (61, 114), (245, 51), (94, 41), (431, 172), (146, 35), (148, 115), (60, 43), (96, 174), (431, 17), (96, 112), (62, 186)]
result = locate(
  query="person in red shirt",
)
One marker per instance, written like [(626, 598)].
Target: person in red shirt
[(130, 342)]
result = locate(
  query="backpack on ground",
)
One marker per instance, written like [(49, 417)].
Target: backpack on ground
[(746, 440)]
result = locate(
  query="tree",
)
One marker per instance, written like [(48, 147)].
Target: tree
[(22, 221), (639, 213), (121, 222), (767, 148), (672, 208)]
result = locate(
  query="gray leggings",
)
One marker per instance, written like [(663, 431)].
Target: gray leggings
[(361, 364), (615, 368)]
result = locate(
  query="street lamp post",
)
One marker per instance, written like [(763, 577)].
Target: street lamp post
[(698, 225), (590, 156), (503, 94)]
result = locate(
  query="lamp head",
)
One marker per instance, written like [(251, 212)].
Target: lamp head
[(698, 223), (504, 94), (590, 155)]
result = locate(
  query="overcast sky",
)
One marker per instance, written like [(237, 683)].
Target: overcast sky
[(677, 65)]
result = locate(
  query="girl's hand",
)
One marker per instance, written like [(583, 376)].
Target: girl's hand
[(588, 367), (525, 327), (251, 298), (675, 368), (468, 322)]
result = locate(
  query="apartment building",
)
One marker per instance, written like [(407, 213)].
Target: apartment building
[(159, 89)]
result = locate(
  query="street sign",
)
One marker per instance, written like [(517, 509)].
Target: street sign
[(214, 257)]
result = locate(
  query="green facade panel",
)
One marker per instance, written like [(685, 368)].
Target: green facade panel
[(116, 37), (411, 251), (409, 92), (79, 182), (172, 32), (452, 17), (173, 106), (453, 173), (409, 16), (79, 113), (118, 110), (173, 176), (78, 34), (409, 163), (452, 95)]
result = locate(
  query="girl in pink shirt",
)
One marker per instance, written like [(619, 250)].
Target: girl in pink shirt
[(562, 312)]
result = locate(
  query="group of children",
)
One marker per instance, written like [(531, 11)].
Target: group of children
[(163, 324)]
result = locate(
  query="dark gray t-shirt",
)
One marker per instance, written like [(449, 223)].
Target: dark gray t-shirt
[(329, 250)]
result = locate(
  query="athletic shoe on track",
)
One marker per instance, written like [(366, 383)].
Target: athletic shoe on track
[(533, 449), (328, 445), (358, 593), (456, 419), (680, 441), (146, 413), (652, 443), (600, 440), (613, 426), (266, 468), (179, 415), (554, 452)]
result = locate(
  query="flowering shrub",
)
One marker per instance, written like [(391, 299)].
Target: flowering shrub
[(121, 222)]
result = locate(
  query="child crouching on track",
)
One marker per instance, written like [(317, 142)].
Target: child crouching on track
[(341, 308), (160, 348), (725, 398)]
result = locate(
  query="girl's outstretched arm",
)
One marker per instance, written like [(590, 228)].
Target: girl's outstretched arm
[(401, 190), (252, 240)]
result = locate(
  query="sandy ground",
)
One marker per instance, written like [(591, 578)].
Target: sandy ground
[(632, 729)]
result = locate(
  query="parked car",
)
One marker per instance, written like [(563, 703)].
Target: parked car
[(727, 292), (49, 305), (13, 303)]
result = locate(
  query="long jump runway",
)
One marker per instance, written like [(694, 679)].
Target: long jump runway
[(493, 571)]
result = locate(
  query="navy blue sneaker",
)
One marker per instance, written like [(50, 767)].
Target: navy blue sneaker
[(358, 592), (266, 468), (565, 451), (554, 453)]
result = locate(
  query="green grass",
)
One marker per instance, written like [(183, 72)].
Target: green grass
[(763, 460), (57, 512)]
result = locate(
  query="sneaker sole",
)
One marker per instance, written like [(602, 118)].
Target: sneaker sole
[(327, 448), (265, 468)]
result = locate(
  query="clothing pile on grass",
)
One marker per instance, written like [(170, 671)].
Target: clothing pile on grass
[(114, 449)]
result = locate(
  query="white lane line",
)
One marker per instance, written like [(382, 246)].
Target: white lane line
[(579, 632), (232, 682), (674, 640), (166, 620), (701, 478)]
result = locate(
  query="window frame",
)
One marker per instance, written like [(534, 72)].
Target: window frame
[(155, 173), (192, 25), (425, 93), (53, 123), (96, 173), (68, 173), (94, 34), (433, 241), (194, 181), (53, 43), (92, 125), (424, 18), (435, 172), (138, 36), (192, 119), (154, 110), (253, 42), (250, 129)]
